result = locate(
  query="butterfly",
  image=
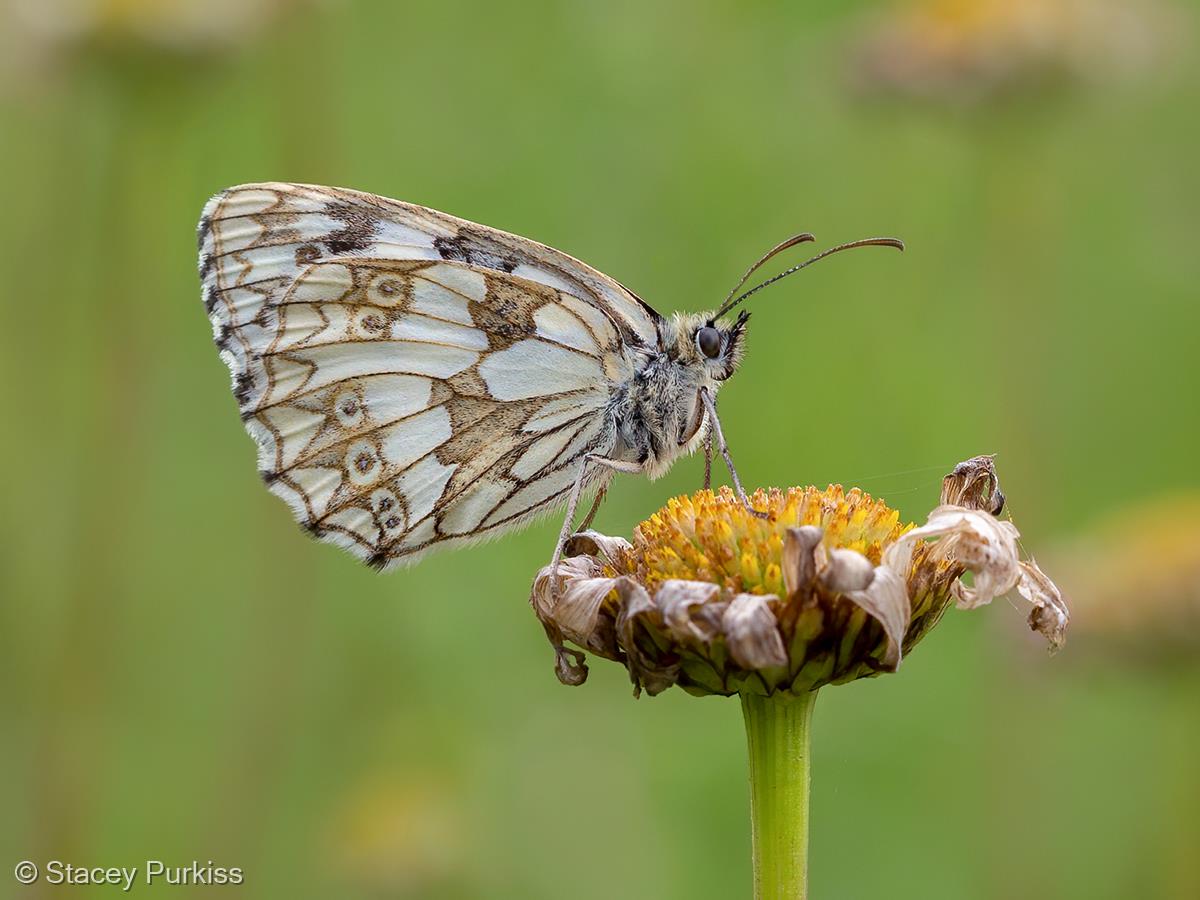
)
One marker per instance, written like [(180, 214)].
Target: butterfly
[(415, 381)]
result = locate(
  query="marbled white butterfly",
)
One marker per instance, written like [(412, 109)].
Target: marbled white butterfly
[(416, 381)]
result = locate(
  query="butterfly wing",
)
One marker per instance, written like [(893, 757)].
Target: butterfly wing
[(412, 380)]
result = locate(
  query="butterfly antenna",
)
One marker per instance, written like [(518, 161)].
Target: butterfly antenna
[(800, 238), (767, 257)]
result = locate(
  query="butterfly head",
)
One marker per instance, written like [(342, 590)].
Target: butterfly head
[(713, 345)]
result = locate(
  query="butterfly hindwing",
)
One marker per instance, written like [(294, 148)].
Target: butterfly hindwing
[(411, 380)]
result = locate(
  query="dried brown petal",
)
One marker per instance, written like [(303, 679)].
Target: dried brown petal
[(983, 544), (1050, 615), (887, 601), (574, 607), (986, 547), (593, 543), (974, 484), (569, 664), (752, 633), (847, 570), (800, 549), (542, 597), (677, 599), (645, 668), (577, 602)]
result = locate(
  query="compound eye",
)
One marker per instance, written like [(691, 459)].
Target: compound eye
[(708, 339)]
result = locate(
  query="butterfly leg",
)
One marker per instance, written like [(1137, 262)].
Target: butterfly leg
[(616, 465), (587, 520), (708, 460), (574, 672), (715, 431)]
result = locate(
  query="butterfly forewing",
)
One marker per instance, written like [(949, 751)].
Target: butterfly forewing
[(412, 380)]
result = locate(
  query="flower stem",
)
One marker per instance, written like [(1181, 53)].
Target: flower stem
[(777, 736)]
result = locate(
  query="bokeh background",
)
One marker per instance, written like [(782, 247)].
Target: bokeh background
[(184, 676)]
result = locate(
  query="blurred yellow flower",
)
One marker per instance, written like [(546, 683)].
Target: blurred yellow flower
[(397, 835), (178, 24), (1138, 572), (967, 50)]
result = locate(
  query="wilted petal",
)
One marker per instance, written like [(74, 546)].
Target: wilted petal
[(983, 544), (572, 568), (569, 664), (577, 612), (593, 543), (752, 633), (898, 556), (987, 547), (887, 601), (1050, 615), (573, 612), (974, 484), (848, 570), (639, 611), (799, 561), (677, 599)]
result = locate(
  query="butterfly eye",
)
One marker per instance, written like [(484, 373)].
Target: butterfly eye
[(708, 339)]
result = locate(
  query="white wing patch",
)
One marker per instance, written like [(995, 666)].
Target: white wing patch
[(412, 380), (562, 326), (524, 369), (468, 510)]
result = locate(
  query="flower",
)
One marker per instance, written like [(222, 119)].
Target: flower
[(397, 833), (1139, 568), (829, 587), (47, 26), (966, 51)]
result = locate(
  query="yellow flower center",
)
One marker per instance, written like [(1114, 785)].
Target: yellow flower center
[(713, 537)]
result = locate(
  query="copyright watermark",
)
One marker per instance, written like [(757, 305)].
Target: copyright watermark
[(153, 872)]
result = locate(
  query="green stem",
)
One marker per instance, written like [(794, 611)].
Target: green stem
[(777, 735)]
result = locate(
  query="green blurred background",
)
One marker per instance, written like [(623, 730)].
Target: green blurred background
[(184, 676)]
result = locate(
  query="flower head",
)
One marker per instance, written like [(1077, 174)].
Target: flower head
[(1139, 568), (968, 51), (828, 587)]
